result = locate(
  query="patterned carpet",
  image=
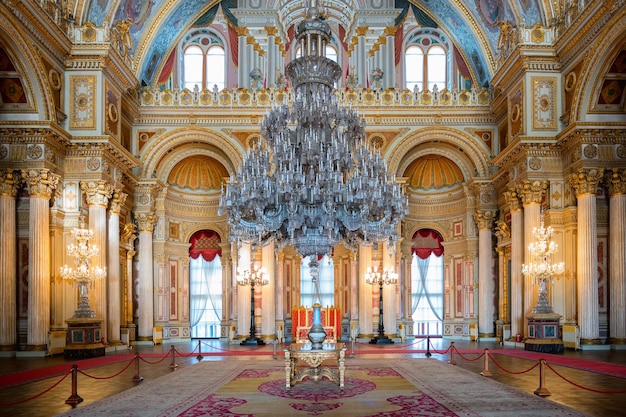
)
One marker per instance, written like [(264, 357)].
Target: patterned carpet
[(393, 388)]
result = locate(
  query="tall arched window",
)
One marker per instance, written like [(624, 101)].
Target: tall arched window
[(204, 61), (205, 284), (426, 60), (326, 283), (427, 283)]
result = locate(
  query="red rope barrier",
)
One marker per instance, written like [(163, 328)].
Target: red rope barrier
[(468, 359), (157, 362), (37, 395), (583, 387), (108, 377), (513, 372), (437, 351)]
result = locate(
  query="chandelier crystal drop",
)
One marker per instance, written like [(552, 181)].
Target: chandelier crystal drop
[(312, 180), (541, 269)]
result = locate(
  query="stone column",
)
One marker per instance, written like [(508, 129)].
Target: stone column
[(268, 293), (128, 238), (226, 285), (531, 194), (242, 59), (517, 258), (390, 57), (145, 280), (616, 184), (361, 55), (366, 304), (244, 304), (9, 184), (486, 280), (280, 296), (354, 295), (98, 194), (114, 290), (390, 301), (585, 183), (41, 184)]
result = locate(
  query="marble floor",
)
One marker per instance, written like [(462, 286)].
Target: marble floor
[(582, 390)]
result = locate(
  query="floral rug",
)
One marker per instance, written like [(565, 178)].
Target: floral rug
[(376, 388)]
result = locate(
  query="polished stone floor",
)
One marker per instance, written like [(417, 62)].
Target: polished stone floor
[(585, 391)]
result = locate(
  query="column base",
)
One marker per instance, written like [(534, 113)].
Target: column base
[(544, 346), (381, 340), (252, 342)]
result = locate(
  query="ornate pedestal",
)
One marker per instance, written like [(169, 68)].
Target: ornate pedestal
[(314, 360), (84, 337), (544, 333)]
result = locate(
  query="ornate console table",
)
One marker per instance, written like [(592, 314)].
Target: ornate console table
[(314, 360)]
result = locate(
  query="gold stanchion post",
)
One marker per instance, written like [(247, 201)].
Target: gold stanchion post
[(452, 361), (137, 377), (486, 371), (74, 398), (199, 357), (542, 391), (173, 363)]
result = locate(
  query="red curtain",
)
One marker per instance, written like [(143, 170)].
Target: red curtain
[(434, 247), (166, 72), (205, 243), (234, 45)]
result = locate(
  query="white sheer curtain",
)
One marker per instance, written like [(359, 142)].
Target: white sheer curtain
[(205, 288), (427, 291), (326, 283)]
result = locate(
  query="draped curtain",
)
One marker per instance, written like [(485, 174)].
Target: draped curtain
[(427, 276), (205, 287), (205, 283)]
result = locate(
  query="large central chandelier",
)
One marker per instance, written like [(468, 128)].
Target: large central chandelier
[(312, 181)]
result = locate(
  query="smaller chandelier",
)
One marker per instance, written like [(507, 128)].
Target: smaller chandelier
[(541, 268), (255, 276), (378, 277), (83, 275)]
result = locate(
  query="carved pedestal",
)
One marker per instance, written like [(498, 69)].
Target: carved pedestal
[(84, 338)]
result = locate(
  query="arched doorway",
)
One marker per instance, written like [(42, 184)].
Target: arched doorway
[(205, 284), (427, 283)]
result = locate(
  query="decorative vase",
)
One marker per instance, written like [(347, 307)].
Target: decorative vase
[(317, 335)]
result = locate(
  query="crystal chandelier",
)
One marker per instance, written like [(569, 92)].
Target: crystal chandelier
[(83, 276), (312, 181), (540, 268)]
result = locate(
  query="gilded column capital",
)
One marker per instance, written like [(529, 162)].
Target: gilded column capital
[(513, 199), (484, 219), (9, 182), (242, 31), (616, 181), (271, 30), (41, 182), (118, 198), (531, 191), (97, 192), (146, 221), (361, 30), (586, 180), (129, 234)]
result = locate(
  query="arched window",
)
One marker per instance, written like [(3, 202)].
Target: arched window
[(204, 61), (426, 60), (326, 283)]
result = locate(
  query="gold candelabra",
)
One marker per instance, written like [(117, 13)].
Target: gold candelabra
[(380, 278), (252, 277), (83, 276)]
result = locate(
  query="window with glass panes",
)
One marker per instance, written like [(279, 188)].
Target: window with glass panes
[(426, 61), (204, 61)]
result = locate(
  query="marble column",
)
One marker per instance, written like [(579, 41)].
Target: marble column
[(41, 184), (145, 280), (531, 193), (127, 239), (226, 285), (268, 293), (114, 288), (361, 55), (517, 258), (390, 301), (585, 183), (390, 57), (242, 59), (98, 194), (244, 303), (9, 184), (366, 305), (486, 281), (280, 296), (616, 184)]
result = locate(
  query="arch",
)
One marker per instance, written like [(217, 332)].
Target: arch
[(163, 152), (443, 232), (219, 228), (205, 243), (604, 51), (471, 156), (35, 82)]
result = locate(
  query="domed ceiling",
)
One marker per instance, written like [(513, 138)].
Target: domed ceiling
[(432, 172), (198, 173)]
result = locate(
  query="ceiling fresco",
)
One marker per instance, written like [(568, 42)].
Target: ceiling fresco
[(157, 25)]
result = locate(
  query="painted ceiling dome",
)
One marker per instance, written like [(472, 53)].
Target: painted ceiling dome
[(198, 172), (433, 171)]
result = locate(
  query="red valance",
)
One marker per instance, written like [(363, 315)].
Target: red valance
[(205, 243), (427, 242)]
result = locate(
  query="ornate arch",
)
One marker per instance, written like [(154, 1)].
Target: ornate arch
[(219, 228), (163, 151), (590, 79), (471, 156), (36, 84)]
